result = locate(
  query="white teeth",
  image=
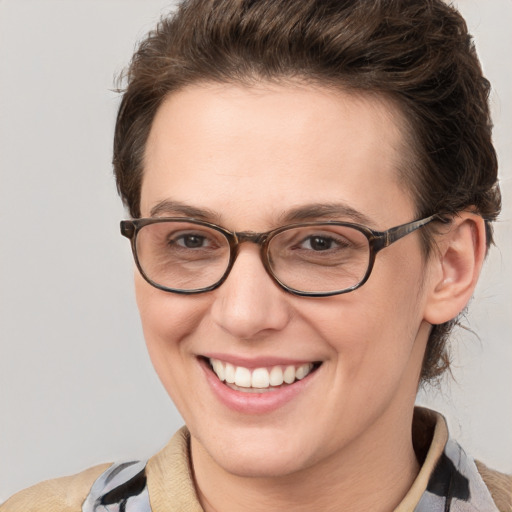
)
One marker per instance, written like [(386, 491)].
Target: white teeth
[(276, 376), (243, 377), (289, 374), (218, 367), (229, 374), (259, 378), (302, 371)]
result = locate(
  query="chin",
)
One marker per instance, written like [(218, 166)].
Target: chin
[(269, 455), (260, 465)]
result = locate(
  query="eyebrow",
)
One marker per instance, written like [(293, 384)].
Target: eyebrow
[(171, 208), (303, 213), (330, 211)]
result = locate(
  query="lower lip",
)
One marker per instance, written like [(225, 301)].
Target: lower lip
[(254, 403)]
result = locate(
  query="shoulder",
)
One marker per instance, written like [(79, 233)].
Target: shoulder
[(499, 485), (449, 475), (64, 494), (167, 476)]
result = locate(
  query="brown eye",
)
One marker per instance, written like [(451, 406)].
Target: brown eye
[(317, 243), (190, 241)]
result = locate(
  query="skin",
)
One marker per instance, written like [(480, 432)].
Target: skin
[(247, 157)]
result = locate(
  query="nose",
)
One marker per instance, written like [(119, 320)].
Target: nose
[(249, 304)]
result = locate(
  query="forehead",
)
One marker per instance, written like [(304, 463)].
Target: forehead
[(229, 147)]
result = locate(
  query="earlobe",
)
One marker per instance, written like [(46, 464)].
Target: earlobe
[(455, 267)]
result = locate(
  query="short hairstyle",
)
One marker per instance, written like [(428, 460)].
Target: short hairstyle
[(416, 53)]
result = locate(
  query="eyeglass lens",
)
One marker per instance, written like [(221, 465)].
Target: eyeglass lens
[(187, 256)]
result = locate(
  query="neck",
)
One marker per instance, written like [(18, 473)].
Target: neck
[(373, 472)]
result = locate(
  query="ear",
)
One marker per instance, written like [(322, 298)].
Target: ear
[(455, 267)]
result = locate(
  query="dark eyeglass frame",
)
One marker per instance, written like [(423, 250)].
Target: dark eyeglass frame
[(377, 240)]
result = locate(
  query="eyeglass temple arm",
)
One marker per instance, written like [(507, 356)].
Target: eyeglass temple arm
[(394, 234)]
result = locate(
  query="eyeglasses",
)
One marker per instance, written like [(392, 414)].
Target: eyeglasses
[(316, 259)]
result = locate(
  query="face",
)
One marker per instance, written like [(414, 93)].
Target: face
[(246, 158)]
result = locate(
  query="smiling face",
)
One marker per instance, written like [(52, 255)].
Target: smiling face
[(328, 377)]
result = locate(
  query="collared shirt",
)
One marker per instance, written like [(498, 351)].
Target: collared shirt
[(448, 480)]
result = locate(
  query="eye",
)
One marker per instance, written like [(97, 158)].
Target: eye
[(317, 243), (191, 241), (322, 243), (183, 239)]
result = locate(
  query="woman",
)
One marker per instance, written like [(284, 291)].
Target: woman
[(311, 186)]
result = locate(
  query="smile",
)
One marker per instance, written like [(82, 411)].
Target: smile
[(259, 380)]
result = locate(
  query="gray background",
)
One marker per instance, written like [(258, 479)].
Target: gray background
[(76, 385)]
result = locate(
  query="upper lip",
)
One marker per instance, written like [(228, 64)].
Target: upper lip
[(257, 362)]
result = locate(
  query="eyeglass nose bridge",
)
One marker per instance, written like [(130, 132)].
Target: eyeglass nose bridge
[(250, 236), (260, 239), (240, 237)]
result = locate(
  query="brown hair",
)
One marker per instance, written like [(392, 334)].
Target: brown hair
[(417, 53)]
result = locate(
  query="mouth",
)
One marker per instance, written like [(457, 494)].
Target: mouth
[(260, 380)]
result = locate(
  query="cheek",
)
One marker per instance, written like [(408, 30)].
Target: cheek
[(164, 314), (373, 330), (167, 320)]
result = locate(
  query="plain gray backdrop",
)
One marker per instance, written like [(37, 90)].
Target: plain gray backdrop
[(76, 385)]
